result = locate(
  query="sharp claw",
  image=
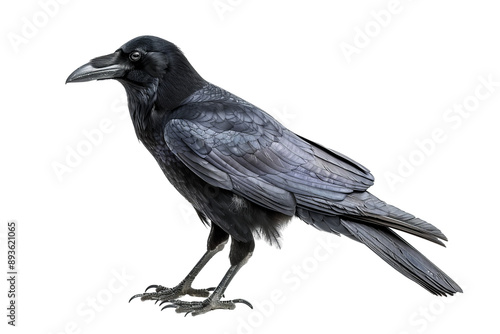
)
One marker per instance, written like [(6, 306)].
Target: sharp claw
[(193, 308), (155, 286), (243, 301), (135, 296), (168, 306)]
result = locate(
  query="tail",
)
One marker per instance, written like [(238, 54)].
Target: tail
[(366, 219), (403, 257), (365, 208)]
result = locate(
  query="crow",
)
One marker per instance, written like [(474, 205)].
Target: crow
[(247, 175)]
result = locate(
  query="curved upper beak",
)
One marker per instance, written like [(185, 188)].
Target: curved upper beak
[(100, 68)]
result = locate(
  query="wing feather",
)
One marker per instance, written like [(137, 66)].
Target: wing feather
[(234, 145)]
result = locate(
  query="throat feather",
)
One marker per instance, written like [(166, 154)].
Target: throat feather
[(141, 101)]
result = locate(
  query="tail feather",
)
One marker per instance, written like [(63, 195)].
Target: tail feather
[(365, 207), (403, 257)]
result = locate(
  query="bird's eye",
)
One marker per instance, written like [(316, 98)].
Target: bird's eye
[(135, 56)]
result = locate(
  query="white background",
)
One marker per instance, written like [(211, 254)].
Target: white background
[(115, 213)]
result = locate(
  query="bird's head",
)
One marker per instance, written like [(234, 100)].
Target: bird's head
[(138, 62), (154, 72)]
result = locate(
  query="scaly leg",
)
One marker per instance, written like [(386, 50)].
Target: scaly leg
[(216, 241), (239, 255)]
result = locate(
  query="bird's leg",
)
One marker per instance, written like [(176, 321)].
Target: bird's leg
[(216, 242), (239, 255)]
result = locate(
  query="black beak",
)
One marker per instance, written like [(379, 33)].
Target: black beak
[(100, 68)]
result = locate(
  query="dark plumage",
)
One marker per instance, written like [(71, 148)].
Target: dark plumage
[(246, 174)]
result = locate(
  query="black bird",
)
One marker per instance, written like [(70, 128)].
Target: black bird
[(247, 175)]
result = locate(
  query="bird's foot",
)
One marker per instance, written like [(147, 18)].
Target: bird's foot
[(167, 294), (197, 308)]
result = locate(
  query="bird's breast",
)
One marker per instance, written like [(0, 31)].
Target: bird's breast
[(178, 174)]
